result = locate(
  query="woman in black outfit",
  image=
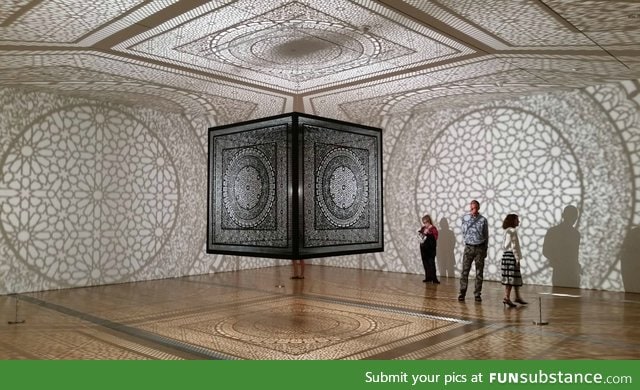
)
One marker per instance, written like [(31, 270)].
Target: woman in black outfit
[(428, 235)]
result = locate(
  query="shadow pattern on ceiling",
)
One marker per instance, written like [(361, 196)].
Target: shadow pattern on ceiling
[(329, 54)]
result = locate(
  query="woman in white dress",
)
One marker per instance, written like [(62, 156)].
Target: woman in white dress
[(511, 256)]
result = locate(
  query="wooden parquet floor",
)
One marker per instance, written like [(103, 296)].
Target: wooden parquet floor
[(334, 313)]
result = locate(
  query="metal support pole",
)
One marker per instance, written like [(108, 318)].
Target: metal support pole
[(17, 298), (540, 322), (279, 284)]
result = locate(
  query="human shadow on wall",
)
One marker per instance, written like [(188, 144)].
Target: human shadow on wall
[(561, 245), (630, 260), (444, 255)]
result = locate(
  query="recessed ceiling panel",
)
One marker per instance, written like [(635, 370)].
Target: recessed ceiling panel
[(100, 76), (614, 25), (499, 76), (521, 24), (64, 22), (295, 46), (320, 56)]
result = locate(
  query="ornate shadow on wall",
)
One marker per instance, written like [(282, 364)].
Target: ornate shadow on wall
[(91, 197), (294, 186), (534, 155), (95, 193)]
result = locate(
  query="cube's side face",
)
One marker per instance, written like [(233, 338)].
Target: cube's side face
[(341, 209), (249, 184)]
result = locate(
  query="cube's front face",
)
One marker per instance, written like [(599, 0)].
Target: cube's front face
[(294, 186), (342, 187), (249, 210)]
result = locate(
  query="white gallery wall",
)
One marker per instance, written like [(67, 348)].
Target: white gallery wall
[(96, 193), (575, 154)]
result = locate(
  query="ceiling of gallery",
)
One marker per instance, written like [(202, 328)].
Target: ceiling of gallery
[(328, 57)]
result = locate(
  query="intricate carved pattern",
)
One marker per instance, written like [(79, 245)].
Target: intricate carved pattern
[(64, 21), (343, 177), (249, 174), (317, 49), (613, 24), (290, 328), (252, 189), (249, 187), (469, 83), (623, 112), (488, 155), (519, 23), (9, 8), (294, 329), (295, 46), (342, 186), (565, 152), (92, 196), (103, 77)]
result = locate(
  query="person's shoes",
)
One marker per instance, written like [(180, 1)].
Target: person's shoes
[(461, 298), (297, 277), (478, 298), (435, 281), (425, 281), (521, 301), (507, 302)]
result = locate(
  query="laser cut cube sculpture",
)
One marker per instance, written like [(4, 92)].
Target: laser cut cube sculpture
[(294, 186)]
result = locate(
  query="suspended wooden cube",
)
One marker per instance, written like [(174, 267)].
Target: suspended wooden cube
[(294, 186)]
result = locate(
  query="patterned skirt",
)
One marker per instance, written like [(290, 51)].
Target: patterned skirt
[(510, 270)]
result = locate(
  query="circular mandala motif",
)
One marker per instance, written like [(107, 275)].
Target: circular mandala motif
[(511, 160), (310, 45), (93, 196), (342, 187), (297, 324), (248, 188), (249, 184), (307, 50)]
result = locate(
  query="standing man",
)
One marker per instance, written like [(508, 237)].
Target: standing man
[(475, 233)]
